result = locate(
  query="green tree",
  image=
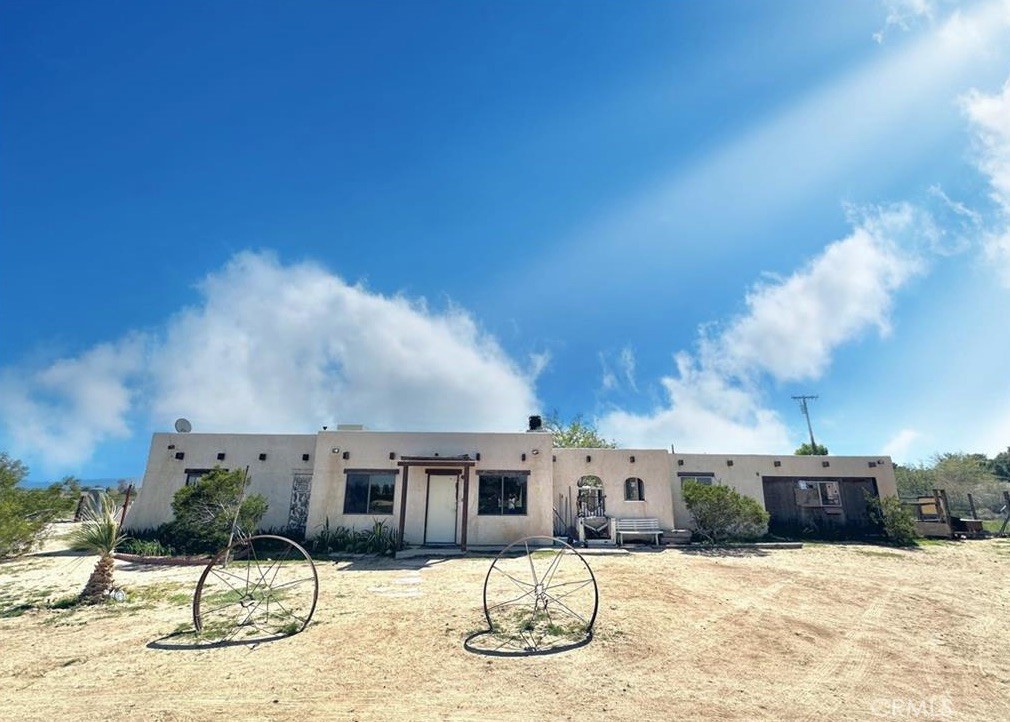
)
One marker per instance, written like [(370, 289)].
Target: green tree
[(723, 514), (25, 514), (962, 474), (98, 534), (577, 433), (999, 465), (914, 481), (895, 521), (205, 512), (805, 449)]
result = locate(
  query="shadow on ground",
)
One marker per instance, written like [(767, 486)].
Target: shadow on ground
[(188, 641), (489, 644)]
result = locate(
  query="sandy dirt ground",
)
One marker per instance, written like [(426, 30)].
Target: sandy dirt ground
[(840, 632)]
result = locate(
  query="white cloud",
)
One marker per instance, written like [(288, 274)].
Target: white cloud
[(627, 361), (792, 326), (790, 330), (705, 412), (990, 119), (904, 14), (899, 446), (275, 348), (286, 347), (69, 406), (608, 379)]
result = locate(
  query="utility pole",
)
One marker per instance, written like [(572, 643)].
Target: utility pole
[(806, 412)]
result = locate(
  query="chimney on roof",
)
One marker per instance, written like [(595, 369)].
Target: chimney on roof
[(536, 423)]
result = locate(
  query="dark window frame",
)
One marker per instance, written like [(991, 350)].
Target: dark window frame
[(706, 478), (194, 475), (823, 498), (371, 476), (636, 487), (519, 479)]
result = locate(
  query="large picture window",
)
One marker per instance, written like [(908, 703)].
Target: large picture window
[(369, 493), (501, 494), (706, 479), (818, 493)]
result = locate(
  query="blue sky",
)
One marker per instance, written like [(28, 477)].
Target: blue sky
[(671, 217)]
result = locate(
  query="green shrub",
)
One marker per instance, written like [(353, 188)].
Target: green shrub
[(145, 547), (25, 514), (722, 514), (377, 540), (894, 520), (205, 512)]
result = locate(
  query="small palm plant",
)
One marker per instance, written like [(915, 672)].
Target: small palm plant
[(98, 534)]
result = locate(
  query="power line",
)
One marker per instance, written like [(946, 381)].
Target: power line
[(806, 412)]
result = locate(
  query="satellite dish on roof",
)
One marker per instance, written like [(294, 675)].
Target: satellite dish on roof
[(183, 426)]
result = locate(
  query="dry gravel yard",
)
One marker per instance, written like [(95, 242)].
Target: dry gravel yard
[(826, 632)]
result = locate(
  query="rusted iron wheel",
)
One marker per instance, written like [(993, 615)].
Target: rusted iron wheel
[(540, 595), (260, 587)]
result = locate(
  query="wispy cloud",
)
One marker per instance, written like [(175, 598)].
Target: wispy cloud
[(704, 411), (627, 361), (619, 373), (608, 379), (989, 115), (793, 325), (904, 15), (272, 348), (898, 446), (789, 331)]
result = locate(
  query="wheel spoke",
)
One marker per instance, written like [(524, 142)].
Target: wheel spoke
[(568, 609), (558, 607), (510, 601), (582, 585), (258, 587), (553, 568), (529, 556), (520, 582)]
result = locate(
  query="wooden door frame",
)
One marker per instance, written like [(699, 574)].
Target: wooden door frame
[(427, 497)]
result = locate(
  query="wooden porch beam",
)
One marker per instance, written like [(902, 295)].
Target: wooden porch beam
[(403, 504), (466, 506)]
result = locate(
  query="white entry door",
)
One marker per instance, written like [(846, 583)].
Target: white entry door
[(440, 521)]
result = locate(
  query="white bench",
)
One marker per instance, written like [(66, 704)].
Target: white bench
[(637, 526)]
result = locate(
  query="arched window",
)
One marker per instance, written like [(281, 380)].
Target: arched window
[(634, 489), (590, 499)]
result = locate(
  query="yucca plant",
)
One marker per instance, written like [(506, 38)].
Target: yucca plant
[(98, 534)]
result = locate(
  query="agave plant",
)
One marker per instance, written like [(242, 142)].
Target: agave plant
[(98, 534)]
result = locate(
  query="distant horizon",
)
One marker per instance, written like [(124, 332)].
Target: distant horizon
[(85, 483)]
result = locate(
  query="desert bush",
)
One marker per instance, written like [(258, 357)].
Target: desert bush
[(378, 539), (722, 514), (206, 511), (25, 514), (894, 520), (145, 547)]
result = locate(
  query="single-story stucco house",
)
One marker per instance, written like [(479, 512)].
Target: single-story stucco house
[(460, 489)]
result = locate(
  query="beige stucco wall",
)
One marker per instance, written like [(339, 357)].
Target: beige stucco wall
[(613, 466), (747, 470), (271, 477), (372, 449), (553, 475)]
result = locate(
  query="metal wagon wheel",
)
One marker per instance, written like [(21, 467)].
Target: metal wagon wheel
[(260, 587), (540, 595)]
